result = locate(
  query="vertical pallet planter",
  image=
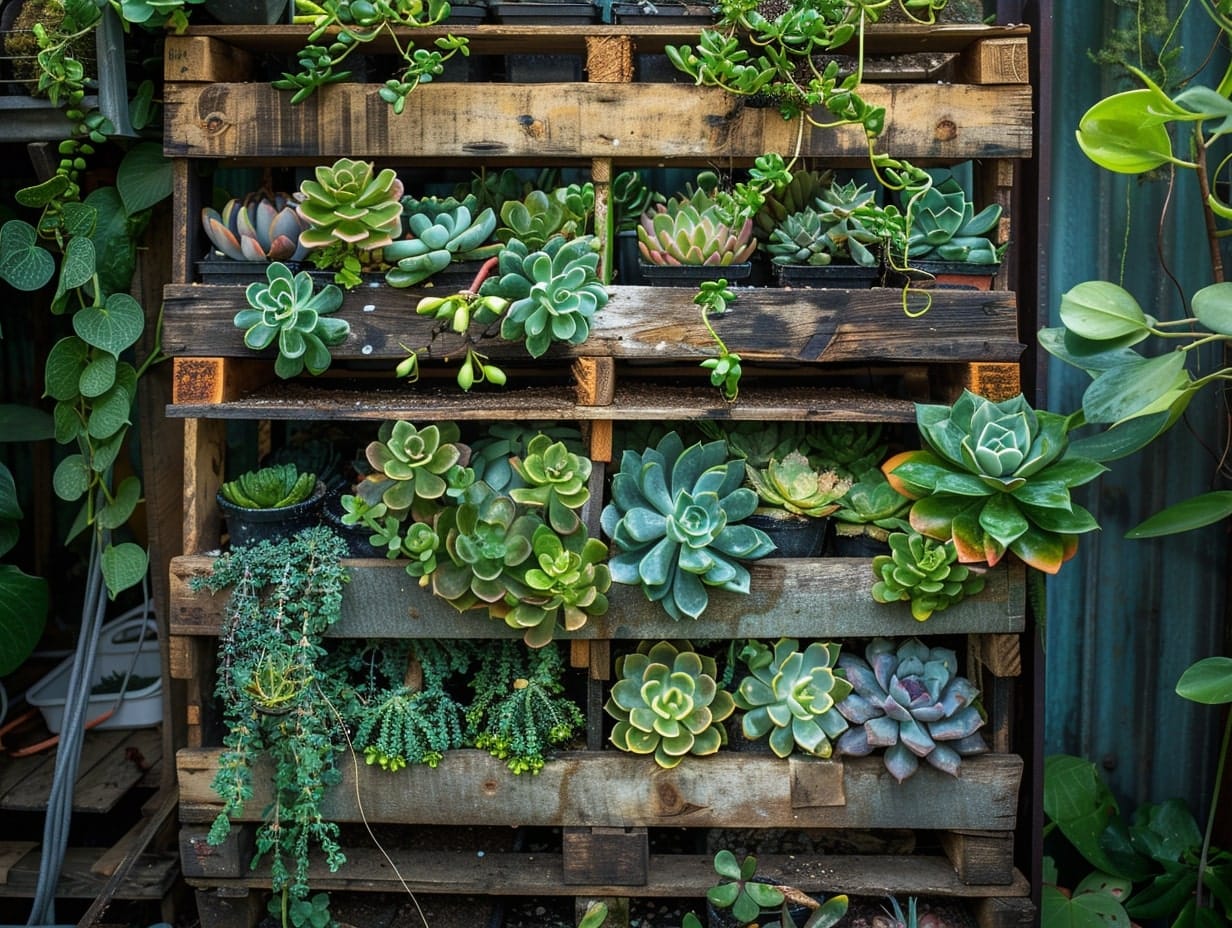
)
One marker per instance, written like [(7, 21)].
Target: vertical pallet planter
[(604, 801)]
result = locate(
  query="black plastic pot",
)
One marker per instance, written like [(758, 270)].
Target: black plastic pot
[(688, 275), (793, 535), (219, 269), (355, 536), (861, 545), (250, 526), (945, 275), (850, 276), (628, 264)]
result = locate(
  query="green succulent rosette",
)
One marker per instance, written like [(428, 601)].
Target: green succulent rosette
[(564, 585), (995, 477), (668, 703), (924, 573), (285, 309)]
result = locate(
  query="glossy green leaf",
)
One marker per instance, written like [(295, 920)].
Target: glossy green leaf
[(1209, 681), (10, 508), (144, 177), (23, 613), (114, 235), (112, 327), (98, 377), (24, 263), (1122, 133), (123, 565), (71, 478), (1121, 440), (1101, 310), (1141, 388), (124, 500), (68, 424), (104, 452), (1081, 805), (1213, 307), (1089, 910), (110, 413), (1195, 512), (40, 195), (77, 266)]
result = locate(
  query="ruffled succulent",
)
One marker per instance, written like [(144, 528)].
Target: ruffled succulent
[(790, 695), (286, 309), (668, 703), (796, 485), (945, 227), (923, 572), (410, 467), (271, 487), (347, 205), (262, 226), (908, 699), (564, 585), (679, 233), (553, 293), (488, 543), (674, 518), (871, 506), (556, 482), (995, 477), (435, 240)]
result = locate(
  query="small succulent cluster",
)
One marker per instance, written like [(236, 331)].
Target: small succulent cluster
[(667, 702), (995, 477), (287, 309), (261, 226), (923, 572), (872, 507), (675, 520), (540, 215), (435, 239), (829, 229), (908, 699), (350, 211)]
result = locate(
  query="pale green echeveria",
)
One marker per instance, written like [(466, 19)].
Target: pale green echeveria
[(348, 204), (285, 308), (563, 586), (553, 293), (791, 695), (555, 481), (945, 227), (908, 700), (436, 240), (411, 466), (668, 703), (923, 572), (532, 220), (995, 477), (675, 520)]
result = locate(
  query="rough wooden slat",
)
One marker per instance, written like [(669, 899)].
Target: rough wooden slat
[(107, 782), (671, 876), (658, 324), (1005, 911), (996, 61), (613, 856), (199, 858), (16, 769), (580, 121), (203, 58), (151, 876), (216, 380), (596, 381), (1001, 654), (31, 794), (609, 59), (999, 381), (229, 906), (205, 442), (808, 597), (608, 788), (10, 853), (980, 856)]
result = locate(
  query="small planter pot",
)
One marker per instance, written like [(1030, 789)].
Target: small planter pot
[(628, 265), (793, 535), (355, 536), (850, 276), (947, 275), (855, 544), (684, 275), (552, 14), (246, 12), (250, 526)]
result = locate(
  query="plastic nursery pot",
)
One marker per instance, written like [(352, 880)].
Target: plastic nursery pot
[(628, 265), (850, 276), (688, 275), (246, 12), (662, 14), (793, 535), (530, 13), (249, 526), (855, 544), (355, 536), (217, 268), (947, 275)]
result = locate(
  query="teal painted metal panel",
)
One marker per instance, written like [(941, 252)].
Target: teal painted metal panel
[(1124, 618)]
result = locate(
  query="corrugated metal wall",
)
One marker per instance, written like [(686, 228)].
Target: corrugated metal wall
[(1124, 618)]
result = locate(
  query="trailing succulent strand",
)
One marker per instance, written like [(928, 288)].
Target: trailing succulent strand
[(908, 700), (675, 521), (923, 572), (790, 696), (667, 702)]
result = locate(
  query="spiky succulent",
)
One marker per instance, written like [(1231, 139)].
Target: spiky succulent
[(871, 506), (346, 204), (437, 239), (553, 293), (945, 227), (270, 487), (555, 481), (564, 583), (790, 696), (796, 485), (908, 699), (675, 519), (668, 703), (923, 572), (410, 467), (995, 477), (830, 231), (262, 226), (800, 239), (286, 309), (680, 233)]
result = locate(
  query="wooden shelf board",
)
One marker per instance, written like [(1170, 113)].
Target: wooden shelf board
[(810, 598), (151, 876), (534, 874)]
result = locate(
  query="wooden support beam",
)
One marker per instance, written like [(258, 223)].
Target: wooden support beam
[(612, 855), (996, 61), (609, 59), (985, 857), (205, 59)]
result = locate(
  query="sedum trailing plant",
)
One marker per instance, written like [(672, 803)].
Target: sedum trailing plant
[(789, 696), (908, 699), (285, 309), (924, 573), (667, 702), (995, 477), (261, 226), (675, 521)]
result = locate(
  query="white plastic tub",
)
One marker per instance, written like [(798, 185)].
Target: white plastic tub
[(120, 647)]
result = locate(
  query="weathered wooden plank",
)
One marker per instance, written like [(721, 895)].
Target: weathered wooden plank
[(1005, 911), (998, 381), (658, 324), (614, 856), (608, 788), (634, 400), (205, 442), (107, 782), (150, 877), (1001, 654), (949, 122), (980, 856), (807, 597), (674, 875), (213, 380), (996, 61), (230, 906), (199, 858), (10, 853), (204, 58), (32, 792)]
